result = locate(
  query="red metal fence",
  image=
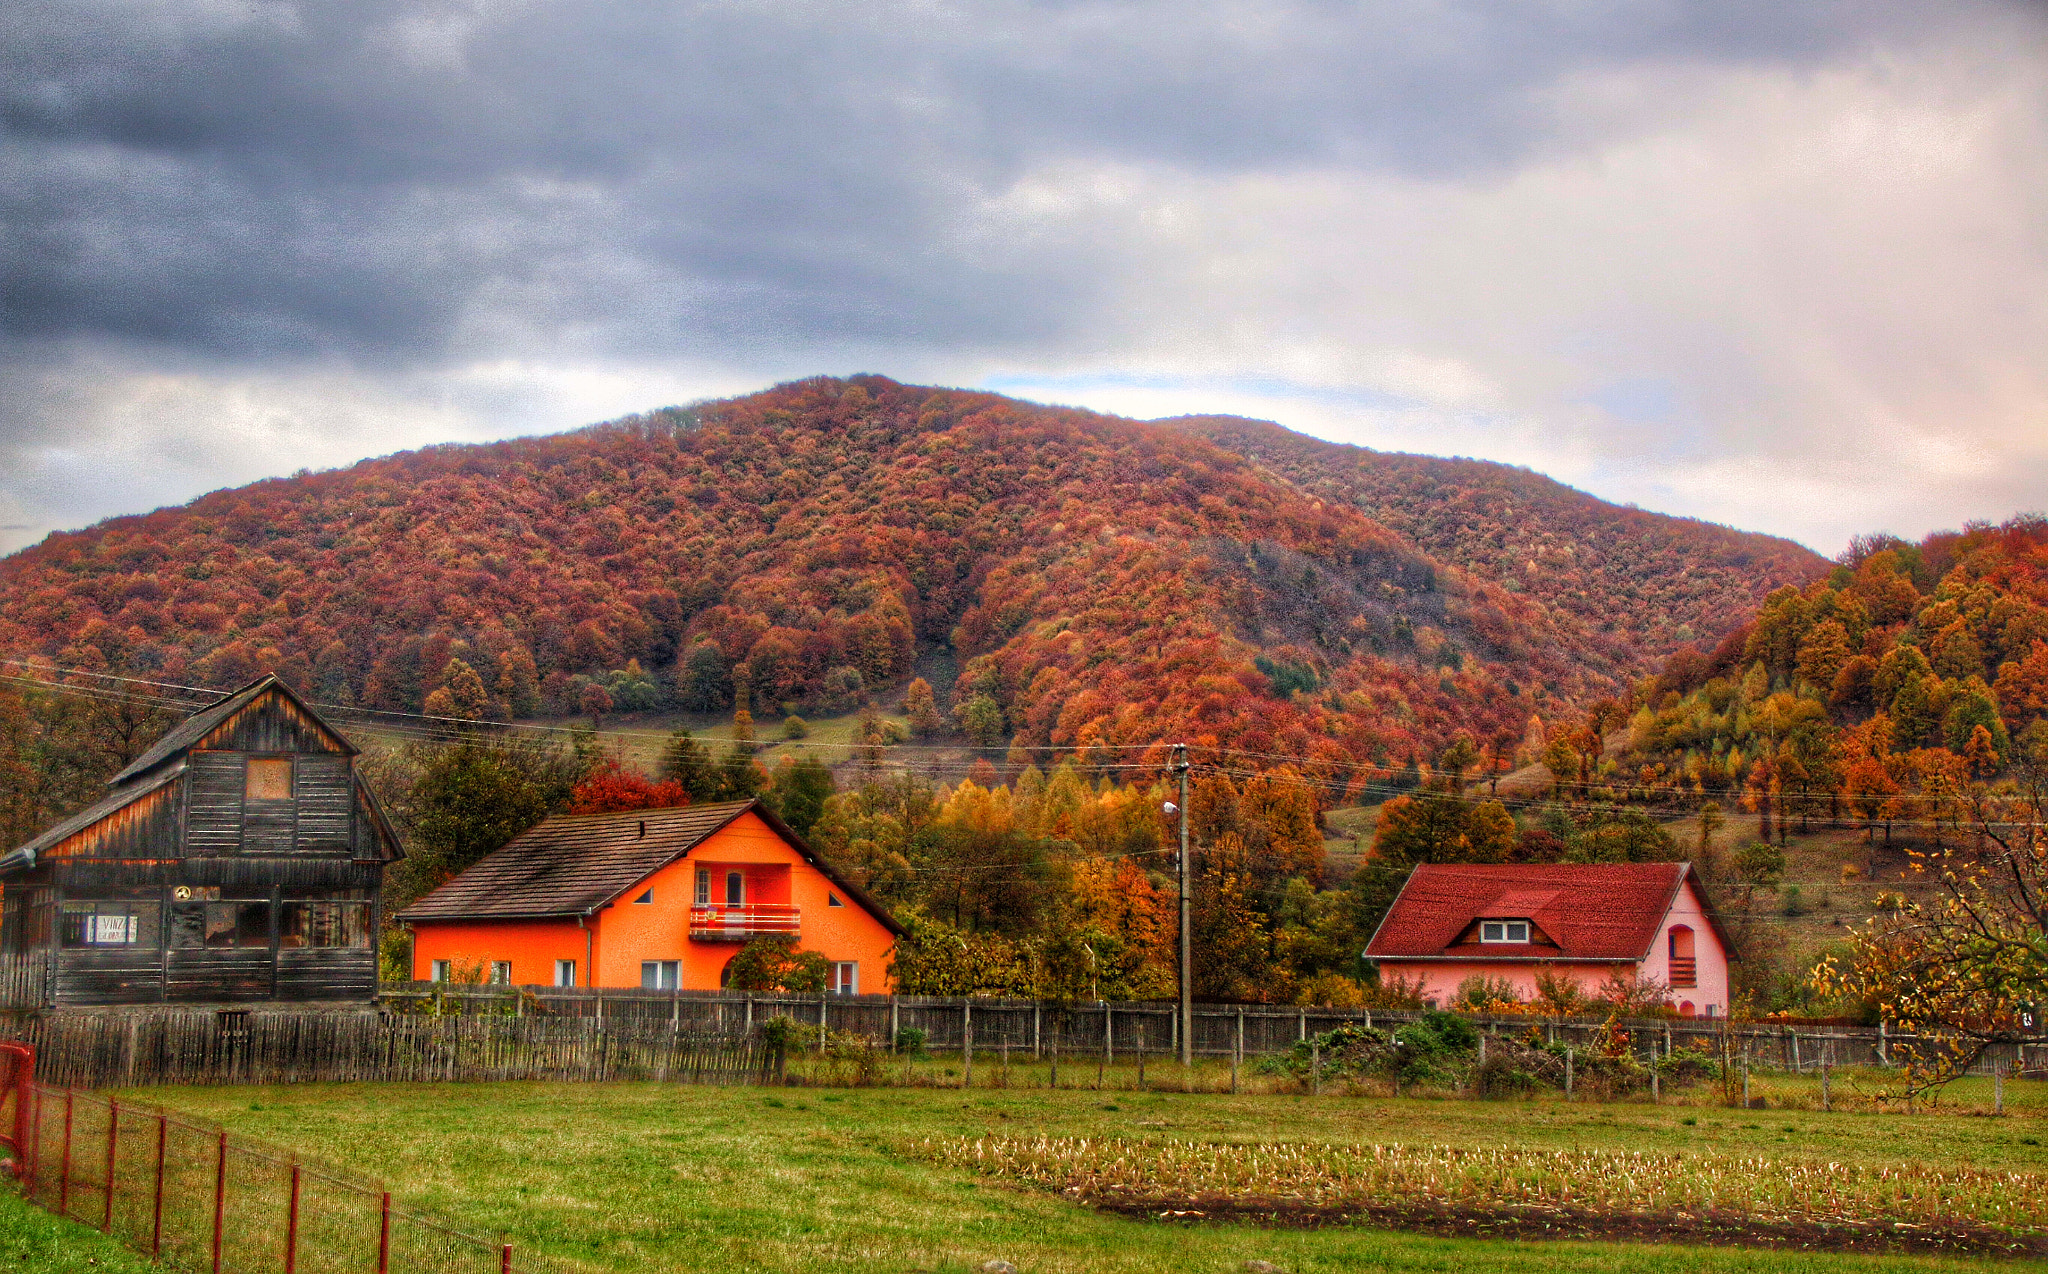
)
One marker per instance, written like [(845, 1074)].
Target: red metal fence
[(199, 1198)]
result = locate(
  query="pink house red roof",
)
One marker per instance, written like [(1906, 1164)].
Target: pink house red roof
[(1593, 911)]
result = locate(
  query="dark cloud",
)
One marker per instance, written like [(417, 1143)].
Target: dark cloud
[(383, 179), (237, 236)]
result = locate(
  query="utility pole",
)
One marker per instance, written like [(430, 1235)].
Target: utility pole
[(1187, 946)]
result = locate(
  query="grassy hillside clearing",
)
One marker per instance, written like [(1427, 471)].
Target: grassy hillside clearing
[(642, 1177)]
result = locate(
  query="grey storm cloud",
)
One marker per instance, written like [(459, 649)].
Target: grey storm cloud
[(1677, 252), (388, 180)]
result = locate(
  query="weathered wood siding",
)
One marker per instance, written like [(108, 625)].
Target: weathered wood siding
[(213, 803), (113, 976), (148, 828), (323, 788), (369, 845), (327, 973), (272, 724), (219, 975)]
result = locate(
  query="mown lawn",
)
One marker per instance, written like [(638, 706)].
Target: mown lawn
[(34, 1242), (645, 1177)]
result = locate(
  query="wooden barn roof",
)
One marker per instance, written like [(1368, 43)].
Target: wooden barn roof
[(193, 730), (576, 864), (120, 798), (1594, 911)]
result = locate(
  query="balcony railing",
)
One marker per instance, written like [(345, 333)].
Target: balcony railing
[(1685, 971), (738, 924)]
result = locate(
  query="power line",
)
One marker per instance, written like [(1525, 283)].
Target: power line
[(435, 731)]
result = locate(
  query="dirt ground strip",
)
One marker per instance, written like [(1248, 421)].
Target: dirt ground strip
[(1716, 1229)]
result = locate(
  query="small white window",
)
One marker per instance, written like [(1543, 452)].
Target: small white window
[(440, 971), (565, 973), (703, 887), (846, 978), (660, 975), (501, 973), (1503, 931), (832, 900), (644, 899)]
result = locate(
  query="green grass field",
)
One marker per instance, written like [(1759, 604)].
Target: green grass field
[(34, 1242), (646, 1177)]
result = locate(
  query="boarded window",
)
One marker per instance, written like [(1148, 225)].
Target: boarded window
[(269, 779), (237, 924), (311, 923)]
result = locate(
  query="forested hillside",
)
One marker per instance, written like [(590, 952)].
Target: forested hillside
[(1634, 584), (1102, 581), (1885, 692)]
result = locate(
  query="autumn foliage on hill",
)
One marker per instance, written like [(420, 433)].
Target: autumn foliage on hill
[(1632, 583), (1904, 686), (1104, 583)]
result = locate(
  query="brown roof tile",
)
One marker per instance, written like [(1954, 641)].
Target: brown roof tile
[(574, 864)]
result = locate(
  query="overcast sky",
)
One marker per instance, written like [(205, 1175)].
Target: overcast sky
[(1782, 265)]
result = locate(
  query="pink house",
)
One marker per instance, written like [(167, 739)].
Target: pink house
[(1589, 921)]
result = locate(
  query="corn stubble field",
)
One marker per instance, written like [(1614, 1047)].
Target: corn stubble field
[(641, 1177)]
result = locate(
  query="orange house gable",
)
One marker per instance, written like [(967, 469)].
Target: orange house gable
[(650, 898)]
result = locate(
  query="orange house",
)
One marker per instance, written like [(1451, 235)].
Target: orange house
[(660, 899)]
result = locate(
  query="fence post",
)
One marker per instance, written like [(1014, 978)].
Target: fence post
[(1568, 1054), (966, 1044), (384, 1235), (291, 1227), (895, 1021), (1998, 1088), (64, 1162), (1826, 1056), (505, 1259), (1035, 1007), (1102, 1059), (156, 1222), (113, 1140), (220, 1194), (1315, 1070), (1237, 1051)]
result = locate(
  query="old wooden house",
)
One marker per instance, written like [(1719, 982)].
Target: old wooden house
[(235, 862)]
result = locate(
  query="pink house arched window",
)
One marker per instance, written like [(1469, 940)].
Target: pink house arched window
[(1685, 965)]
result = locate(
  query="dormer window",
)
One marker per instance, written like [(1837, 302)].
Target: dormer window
[(1504, 931)]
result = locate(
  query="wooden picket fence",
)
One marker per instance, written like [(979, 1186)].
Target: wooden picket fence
[(129, 1049)]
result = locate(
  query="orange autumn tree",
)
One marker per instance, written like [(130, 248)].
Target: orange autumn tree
[(611, 788)]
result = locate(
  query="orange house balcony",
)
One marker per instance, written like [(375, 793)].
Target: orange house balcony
[(740, 924)]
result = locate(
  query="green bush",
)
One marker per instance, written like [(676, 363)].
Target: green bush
[(795, 727), (910, 1041)]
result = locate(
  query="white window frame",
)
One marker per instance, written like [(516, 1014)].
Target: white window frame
[(1505, 931), (501, 973), (565, 973), (846, 977), (437, 971), (832, 900), (646, 898), (661, 975), (703, 886)]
